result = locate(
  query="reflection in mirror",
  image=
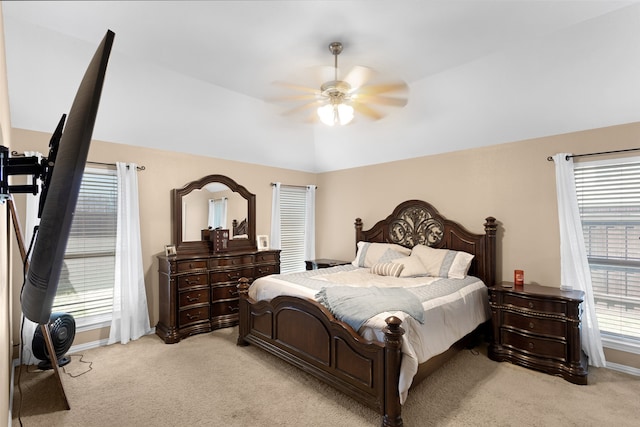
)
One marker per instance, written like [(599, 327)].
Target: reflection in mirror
[(233, 208), (215, 205)]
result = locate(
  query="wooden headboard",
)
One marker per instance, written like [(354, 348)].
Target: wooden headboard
[(416, 222)]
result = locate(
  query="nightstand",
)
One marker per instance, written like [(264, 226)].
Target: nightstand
[(538, 327), (324, 263)]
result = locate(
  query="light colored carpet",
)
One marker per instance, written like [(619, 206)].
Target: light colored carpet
[(206, 380)]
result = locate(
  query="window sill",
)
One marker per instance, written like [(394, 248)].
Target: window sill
[(93, 322)]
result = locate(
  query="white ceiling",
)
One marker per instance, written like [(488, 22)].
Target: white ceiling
[(193, 76)]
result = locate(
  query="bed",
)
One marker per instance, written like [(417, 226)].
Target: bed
[(371, 365)]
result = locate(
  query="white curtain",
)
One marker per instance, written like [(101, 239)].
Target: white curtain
[(275, 240), (31, 221), (130, 314), (310, 223), (574, 267)]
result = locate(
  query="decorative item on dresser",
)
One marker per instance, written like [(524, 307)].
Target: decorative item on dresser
[(303, 332), (198, 279), (538, 327)]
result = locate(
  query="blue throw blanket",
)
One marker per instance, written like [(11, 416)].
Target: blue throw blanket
[(354, 305)]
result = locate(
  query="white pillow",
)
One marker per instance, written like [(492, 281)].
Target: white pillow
[(387, 269), (443, 262), (370, 253), (413, 267)]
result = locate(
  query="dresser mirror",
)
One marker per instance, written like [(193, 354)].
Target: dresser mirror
[(214, 201)]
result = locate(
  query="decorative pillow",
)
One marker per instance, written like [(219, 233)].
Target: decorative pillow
[(412, 267), (370, 253), (387, 269), (443, 262)]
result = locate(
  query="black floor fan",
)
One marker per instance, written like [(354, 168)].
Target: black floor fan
[(62, 327)]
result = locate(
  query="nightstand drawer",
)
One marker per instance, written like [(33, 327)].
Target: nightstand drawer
[(540, 347), (537, 325), (540, 305)]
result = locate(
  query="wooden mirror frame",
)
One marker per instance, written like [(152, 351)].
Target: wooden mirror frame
[(203, 246)]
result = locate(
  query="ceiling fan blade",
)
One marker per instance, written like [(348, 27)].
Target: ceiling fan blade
[(297, 87), (381, 100), (367, 111), (382, 88), (302, 108), (291, 98)]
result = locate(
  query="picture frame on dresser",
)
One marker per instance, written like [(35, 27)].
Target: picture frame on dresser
[(263, 242), (170, 250)]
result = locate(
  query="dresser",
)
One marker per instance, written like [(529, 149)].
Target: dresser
[(198, 293), (538, 327)]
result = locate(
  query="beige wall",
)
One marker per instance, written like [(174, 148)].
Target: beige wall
[(512, 182)]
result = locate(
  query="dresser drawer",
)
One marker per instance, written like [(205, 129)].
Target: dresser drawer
[(223, 292), (192, 280), (265, 270), (231, 275), (224, 308), (231, 261), (194, 315), (266, 257), (197, 296), (540, 347), (540, 305), (184, 266), (537, 325)]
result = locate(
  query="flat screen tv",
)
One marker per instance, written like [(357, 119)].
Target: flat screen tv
[(59, 205)]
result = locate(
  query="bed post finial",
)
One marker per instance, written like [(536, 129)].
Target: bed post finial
[(393, 333), (358, 225), (243, 328), (490, 228)]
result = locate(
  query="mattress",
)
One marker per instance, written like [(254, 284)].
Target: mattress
[(452, 308)]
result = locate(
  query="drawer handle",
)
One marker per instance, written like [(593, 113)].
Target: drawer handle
[(530, 305), (192, 281), (231, 277), (265, 270), (234, 308), (233, 292), (531, 325), (531, 346), (192, 299), (192, 317)]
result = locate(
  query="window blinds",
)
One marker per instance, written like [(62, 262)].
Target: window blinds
[(292, 210), (85, 289), (609, 203)]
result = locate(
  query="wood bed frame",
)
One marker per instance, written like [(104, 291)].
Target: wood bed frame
[(304, 333)]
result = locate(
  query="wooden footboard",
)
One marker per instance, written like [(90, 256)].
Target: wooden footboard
[(305, 334)]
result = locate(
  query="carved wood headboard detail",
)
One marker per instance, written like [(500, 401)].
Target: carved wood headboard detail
[(416, 222)]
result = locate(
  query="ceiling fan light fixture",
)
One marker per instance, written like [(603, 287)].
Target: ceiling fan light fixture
[(335, 114)]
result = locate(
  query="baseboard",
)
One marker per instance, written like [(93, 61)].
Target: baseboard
[(623, 368)]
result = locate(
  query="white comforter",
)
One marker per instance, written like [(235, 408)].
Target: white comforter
[(447, 318)]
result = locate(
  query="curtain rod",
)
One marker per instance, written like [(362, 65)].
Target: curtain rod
[(550, 158), (292, 186), (140, 168)]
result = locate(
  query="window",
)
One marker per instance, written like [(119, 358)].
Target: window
[(292, 226), (609, 203), (85, 289)]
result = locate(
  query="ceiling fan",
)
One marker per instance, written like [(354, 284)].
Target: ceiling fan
[(337, 101)]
